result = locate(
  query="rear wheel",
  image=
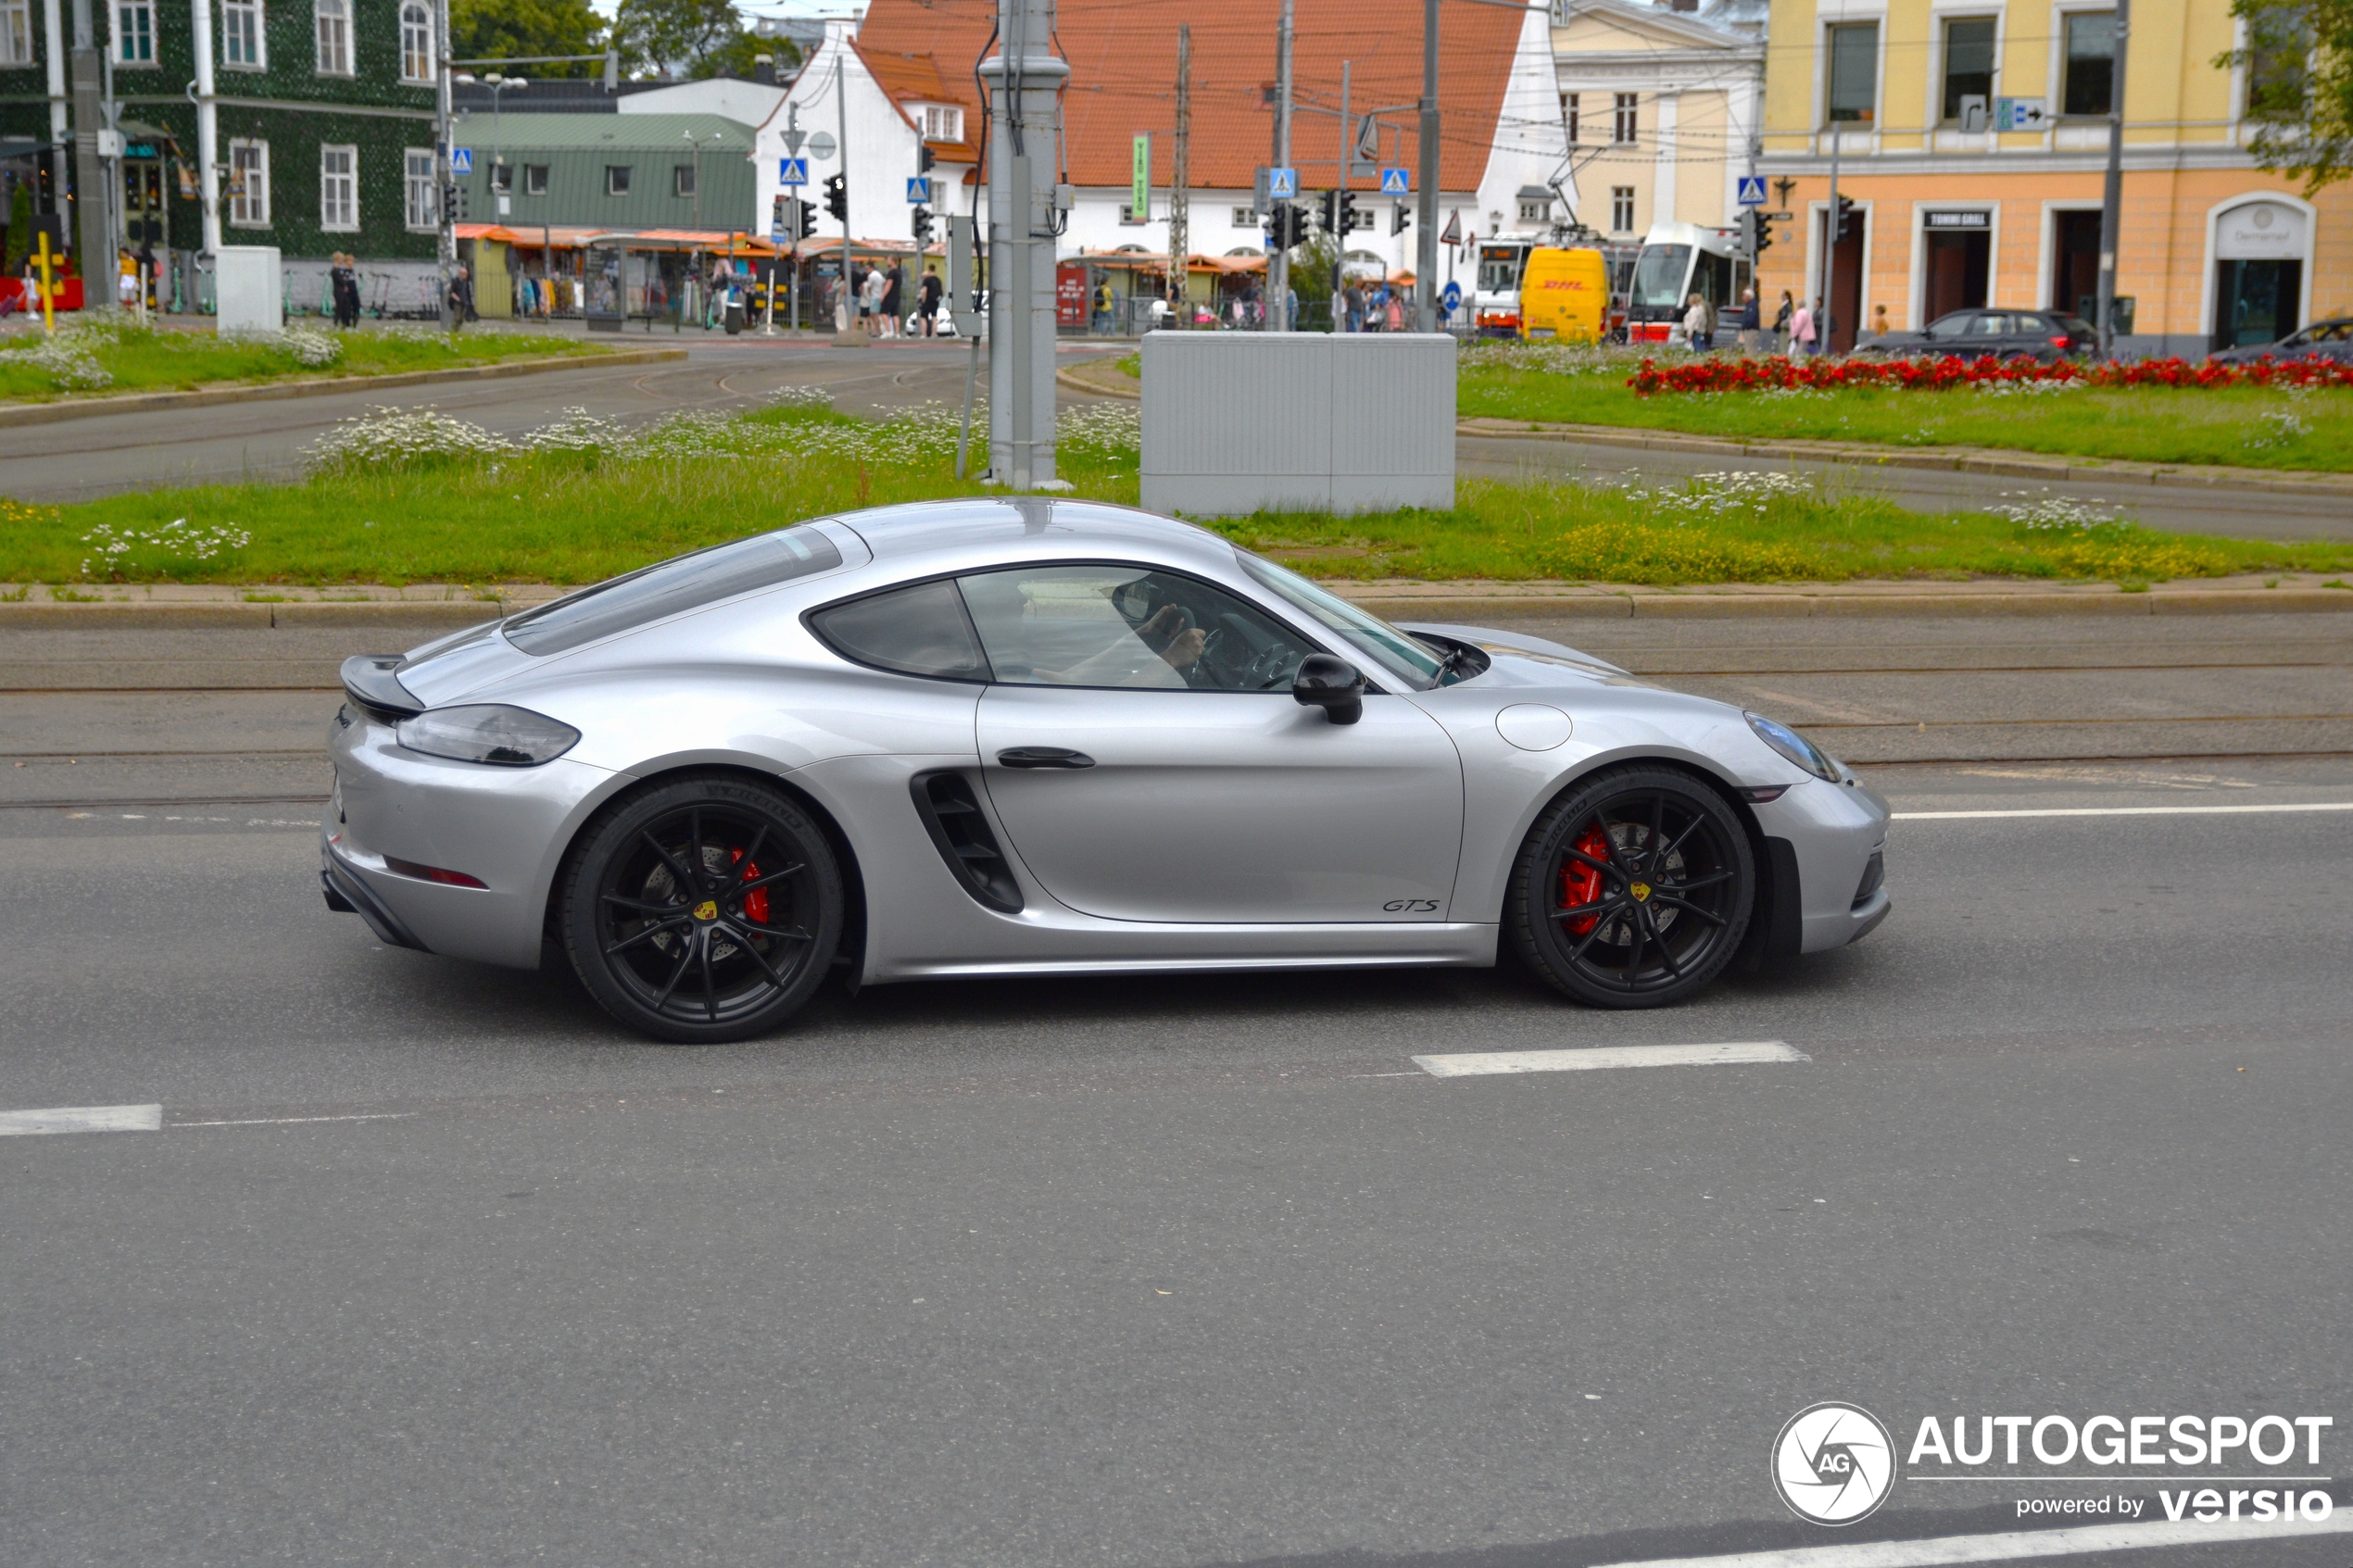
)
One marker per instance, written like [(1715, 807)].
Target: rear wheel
[(1633, 890), (703, 910)]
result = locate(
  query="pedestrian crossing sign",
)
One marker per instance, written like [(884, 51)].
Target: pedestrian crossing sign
[(1395, 182), (792, 172), (1282, 183), (461, 160), (1752, 190), (919, 188)]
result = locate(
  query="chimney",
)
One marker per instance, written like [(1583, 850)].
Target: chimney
[(763, 69)]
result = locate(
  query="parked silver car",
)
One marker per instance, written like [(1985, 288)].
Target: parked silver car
[(1034, 737), (2321, 340)]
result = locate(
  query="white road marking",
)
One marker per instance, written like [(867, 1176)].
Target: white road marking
[(2127, 811), (1477, 1062), (2015, 1547), (81, 1119), (290, 1121)]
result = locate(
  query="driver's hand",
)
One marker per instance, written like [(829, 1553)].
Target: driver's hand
[(1185, 647), (1157, 633)]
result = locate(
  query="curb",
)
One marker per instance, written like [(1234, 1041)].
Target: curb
[(147, 402)]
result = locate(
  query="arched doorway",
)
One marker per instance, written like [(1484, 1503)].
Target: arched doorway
[(2261, 251)]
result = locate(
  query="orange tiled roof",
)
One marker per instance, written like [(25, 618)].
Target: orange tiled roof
[(1123, 61)]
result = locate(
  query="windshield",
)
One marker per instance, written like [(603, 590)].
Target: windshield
[(1396, 655), (1498, 269), (687, 583), (1658, 275)]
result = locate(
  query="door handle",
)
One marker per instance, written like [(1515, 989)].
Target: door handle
[(1043, 756)]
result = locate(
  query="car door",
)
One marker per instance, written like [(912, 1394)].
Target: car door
[(1141, 749)]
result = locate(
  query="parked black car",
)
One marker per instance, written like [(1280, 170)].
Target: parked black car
[(2043, 335), (2321, 340)]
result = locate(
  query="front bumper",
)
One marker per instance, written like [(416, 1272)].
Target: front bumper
[(1834, 831)]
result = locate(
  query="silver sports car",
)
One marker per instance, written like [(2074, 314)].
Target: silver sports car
[(1035, 737)]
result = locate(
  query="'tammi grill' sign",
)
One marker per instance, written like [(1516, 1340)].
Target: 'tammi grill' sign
[(2260, 232)]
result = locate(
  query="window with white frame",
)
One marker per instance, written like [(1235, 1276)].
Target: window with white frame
[(2279, 65), (1626, 119), (1621, 209), (16, 32), (2089, 83), (339, 189), (941, 122), (535, 179), (617, 179), (249, 184), (416, 42), (682, 180), (1854, 77), (1535, 209), (242, 35), (334, 36), (134, 32), (1968, 65), (1568, 116), (1245, 217), (423, 212)]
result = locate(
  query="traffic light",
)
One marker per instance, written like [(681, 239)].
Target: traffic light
[(804, 219), (1760, 236), (1288, 225), (1331, 212), (925, 159), (1401, 217), (1842, 223), (837, 196), (923, 225), (1349, 220), (457, 203)]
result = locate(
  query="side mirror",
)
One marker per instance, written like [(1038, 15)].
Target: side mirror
[(1332, 684)]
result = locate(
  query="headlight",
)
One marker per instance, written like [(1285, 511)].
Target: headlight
[(1789, 744), (515, 738)]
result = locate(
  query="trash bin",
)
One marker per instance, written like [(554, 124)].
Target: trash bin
[(735, 315)]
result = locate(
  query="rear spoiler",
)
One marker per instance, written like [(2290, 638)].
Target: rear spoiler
[(369, 680)]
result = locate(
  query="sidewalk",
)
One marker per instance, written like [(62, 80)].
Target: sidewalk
[(99, 604)]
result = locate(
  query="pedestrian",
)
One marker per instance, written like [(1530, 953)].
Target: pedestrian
[(870, 294), (1159, 312), (1801, 331), (1748, 323), (890, 304), (1395, 321), (1879, 320), (1103, 303), (1780, 322), (1353, 298), (1695, 325), (928, 297)]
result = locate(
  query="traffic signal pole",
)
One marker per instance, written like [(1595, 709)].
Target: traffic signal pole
[(1426, 243), (2112, 192), (848, 330), (1278, 263), (1836, 230), (93, 235), (1025, 84)]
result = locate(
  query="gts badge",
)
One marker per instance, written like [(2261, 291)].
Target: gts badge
[(1412, 906)]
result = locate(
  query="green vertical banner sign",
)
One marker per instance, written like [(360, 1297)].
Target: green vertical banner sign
[(1139, 193)]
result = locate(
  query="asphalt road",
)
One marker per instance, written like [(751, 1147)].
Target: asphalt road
[(232, 442), (428, 1263)]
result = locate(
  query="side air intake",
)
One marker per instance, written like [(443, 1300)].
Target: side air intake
[(962, 833)]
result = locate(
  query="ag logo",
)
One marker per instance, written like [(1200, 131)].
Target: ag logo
[(1833, 1463)]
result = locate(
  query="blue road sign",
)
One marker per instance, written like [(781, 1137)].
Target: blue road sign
[(461, 160), (1752, 190), (1282, 183), (1451, 296), (1395, 182), (792, 172), (919, 188)]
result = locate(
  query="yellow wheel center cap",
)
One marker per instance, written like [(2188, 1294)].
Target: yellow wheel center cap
[(1640, 890), (707, 910)]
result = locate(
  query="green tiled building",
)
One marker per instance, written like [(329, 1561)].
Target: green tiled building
[(628, 171)]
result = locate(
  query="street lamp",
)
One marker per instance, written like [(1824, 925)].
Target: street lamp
[(694, 145), (499, 85)]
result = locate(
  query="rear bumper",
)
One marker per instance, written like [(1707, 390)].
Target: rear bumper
[(348, 892)]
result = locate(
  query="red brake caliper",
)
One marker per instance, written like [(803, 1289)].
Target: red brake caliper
[(755, 901), (1581, 884)]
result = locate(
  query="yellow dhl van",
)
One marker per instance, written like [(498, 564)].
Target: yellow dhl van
[(1563, 295)]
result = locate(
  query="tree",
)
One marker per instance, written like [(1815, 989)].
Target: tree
[(691, 38), (2298, 60), (500, 30)]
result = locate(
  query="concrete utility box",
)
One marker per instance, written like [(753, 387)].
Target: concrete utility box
[(251, 289), (1238, 422)]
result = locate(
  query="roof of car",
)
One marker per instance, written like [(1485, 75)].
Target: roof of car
[(1082, 527)]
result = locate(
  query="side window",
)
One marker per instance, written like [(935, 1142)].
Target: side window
[(917, 631), (1990, 326), (1126, 626)]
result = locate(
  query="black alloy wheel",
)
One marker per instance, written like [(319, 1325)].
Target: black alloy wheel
[(702, 909), (1634, 889)]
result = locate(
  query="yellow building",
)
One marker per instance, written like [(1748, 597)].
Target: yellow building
[(1973, 138)]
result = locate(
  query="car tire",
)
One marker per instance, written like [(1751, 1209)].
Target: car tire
[(1633, 889), (702, 909)]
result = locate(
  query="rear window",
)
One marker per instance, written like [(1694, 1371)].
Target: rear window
[(917, 631), (687, 582)]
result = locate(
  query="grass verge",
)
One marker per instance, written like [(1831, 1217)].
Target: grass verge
[(97, 360), (2244, 427), (419, 498)]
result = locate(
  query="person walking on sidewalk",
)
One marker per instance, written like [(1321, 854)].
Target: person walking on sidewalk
[(1748, 323), (890, 304), (928, 297), (1695, 325), (1780, 322)]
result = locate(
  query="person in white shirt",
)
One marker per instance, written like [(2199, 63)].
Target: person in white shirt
[(1695, 325)]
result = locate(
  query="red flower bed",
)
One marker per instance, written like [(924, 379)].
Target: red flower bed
[(1936, 375)]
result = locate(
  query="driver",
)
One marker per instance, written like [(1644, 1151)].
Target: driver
[(1168, 635)]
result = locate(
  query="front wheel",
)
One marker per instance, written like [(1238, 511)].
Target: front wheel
[(1633, 890), (702, 910)]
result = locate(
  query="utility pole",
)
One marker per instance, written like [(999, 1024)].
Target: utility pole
[(1835, 230), (1426, 243), (1180, 206), (1347, 164), (846, 331), (207, 137), (1278, 262), (89, 173), (1025, 85), (444, 182), (2112, 194)]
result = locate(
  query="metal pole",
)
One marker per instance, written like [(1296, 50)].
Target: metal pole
[(847, 332), (1830, 258), (443, 180), (1347, 162), (54, 60), (1180, 206), (2112, 194), (207, 131), (1426, 243), (1278, 264), (1025, 84), (89, 173)]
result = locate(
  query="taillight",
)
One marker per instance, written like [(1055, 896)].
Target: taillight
[(433, 874), (2061, 342)]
